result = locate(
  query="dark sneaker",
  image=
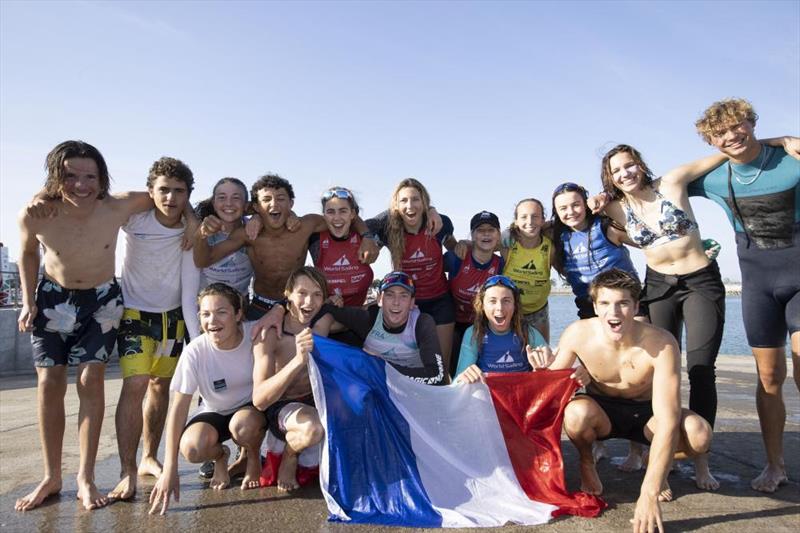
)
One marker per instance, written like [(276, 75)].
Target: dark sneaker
[(206, 470)]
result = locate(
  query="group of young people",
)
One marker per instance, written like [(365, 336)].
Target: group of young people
[(456, 312)]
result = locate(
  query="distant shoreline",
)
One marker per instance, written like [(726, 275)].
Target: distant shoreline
[(730, 290)]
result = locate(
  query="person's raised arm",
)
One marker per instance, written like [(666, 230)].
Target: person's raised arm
[(683, 175), (29, 261), (205, 255), (169, 481), (790, 144), (269, 383), (132, 202), (666, 414)]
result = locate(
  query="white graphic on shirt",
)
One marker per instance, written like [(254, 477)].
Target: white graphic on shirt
[(506, 358), (580, 249), (342, 261)]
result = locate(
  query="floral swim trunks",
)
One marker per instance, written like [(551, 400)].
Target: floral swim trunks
[(75, 326)]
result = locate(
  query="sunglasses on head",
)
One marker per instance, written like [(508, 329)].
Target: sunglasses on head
[(397, 278), (500, 280), (337, 192), (569, 187)]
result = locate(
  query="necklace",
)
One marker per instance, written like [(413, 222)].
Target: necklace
[(739, 180)]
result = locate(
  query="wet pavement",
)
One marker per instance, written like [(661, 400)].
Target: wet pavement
[(736, 457)]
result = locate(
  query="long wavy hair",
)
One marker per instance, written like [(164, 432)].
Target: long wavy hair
[(68, 150), (608, 179), (395, 228), (481, 324)]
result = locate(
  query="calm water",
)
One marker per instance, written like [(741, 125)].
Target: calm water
[(734, 341)]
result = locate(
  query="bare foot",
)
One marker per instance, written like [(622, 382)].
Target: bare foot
[(702, 474), (287, 472), (770, 478), (221, 479), (150, 467), (666, 493), (253, 471), (90, 496), (48, 487), (239, 466), (126, 488), (590, 481), (599, 451), (635, 459)]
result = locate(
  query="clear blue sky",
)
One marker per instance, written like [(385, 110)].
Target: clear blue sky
[(486, 103)]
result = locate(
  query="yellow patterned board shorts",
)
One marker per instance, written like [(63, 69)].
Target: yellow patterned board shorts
[(149, 344)]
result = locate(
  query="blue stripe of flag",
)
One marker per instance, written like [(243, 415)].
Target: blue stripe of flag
[(372, 472)]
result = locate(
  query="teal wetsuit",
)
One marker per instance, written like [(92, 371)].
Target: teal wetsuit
[(762, 202)]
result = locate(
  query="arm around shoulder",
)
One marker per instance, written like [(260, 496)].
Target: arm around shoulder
[(683, 175)]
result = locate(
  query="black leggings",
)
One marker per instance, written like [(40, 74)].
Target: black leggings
[(698, 301)]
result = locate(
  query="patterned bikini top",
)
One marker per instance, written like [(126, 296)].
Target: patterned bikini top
[(673, 223)]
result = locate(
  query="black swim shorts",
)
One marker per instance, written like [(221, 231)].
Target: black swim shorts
[(273, 412), (628, 417), (75, 326)]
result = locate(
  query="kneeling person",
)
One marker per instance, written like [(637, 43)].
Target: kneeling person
[(634, 391), (280, 375), (219, 365)]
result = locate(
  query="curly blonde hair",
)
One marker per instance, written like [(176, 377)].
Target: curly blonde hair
[(722, 115)]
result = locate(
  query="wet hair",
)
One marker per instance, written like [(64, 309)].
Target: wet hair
[(270, 181), (351, 199), (205, 207), (618, 280), (226, 291), (171, 168), (722, 115), (54, 164), (480, 325), (608, 179), (512, 228), (395, 228), (311, 273)]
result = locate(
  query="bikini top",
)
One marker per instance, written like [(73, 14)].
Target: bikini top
[(673, 223)]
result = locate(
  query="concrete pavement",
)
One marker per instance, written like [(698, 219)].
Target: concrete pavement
[(736, 457)]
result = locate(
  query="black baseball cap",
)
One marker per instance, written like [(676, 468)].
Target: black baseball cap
[(484, 217)]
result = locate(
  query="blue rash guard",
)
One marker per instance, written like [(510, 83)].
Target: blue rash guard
[(498, 352)]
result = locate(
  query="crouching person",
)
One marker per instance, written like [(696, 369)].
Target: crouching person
[(281, 384), (219, 365), (634, 391)]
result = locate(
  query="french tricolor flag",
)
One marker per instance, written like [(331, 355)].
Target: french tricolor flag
[(402, 453)]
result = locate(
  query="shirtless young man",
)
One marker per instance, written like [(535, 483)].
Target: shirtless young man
[(394, 330), (280, 375), (759, 190), (634, 391), (277, 252), (152, 331), (76, 308)]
